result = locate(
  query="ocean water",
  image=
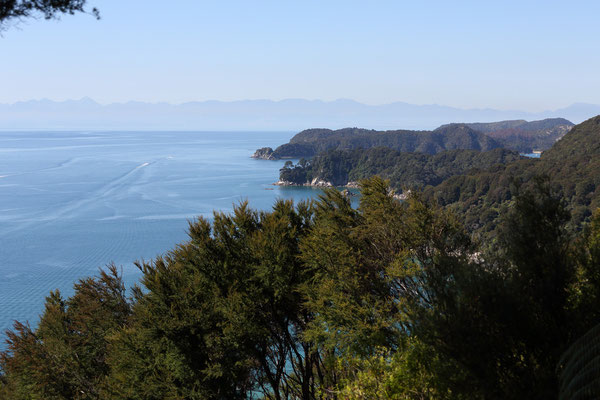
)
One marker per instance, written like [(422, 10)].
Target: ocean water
[(72, 202)]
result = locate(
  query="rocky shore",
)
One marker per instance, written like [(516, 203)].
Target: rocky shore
[(314, 183), (319, 183), (264, 153)]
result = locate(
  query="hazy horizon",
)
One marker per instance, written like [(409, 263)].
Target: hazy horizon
[(258, 115), (285, 99), (535, 57)]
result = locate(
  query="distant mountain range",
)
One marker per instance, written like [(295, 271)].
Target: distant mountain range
[(291, 114)]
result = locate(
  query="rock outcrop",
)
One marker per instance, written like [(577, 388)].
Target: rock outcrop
[(264, 153), (316, 182)]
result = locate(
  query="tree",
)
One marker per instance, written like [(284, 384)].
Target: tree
[(508, 316), (321, 300), (65, 357), (378, 271), (222, 316), (49, 9)]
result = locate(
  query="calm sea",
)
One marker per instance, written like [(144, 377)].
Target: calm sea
[(72, 202)]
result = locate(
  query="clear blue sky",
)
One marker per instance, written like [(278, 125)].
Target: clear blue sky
[(529, 55)]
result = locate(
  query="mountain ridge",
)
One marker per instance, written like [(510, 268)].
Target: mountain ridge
[(572, 166), (525, 136), (286, 114), (311, 142), (517, 135)]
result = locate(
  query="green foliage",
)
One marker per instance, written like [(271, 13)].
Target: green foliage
[(413, 372), (296, 174), (477, 186), (310, 142), (578, 366), (66, 356), (374, 267), (521, 136), (324, 301), (572, 164), (524, 136), (222, 313), (404, 170)]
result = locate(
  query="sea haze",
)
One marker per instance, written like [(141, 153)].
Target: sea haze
[(71, 202), (290, 114)]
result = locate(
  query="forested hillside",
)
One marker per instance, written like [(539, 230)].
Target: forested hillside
[(476, 185), (313, 141), (572, 165), (403, 170), (524, 136), (518, 135)]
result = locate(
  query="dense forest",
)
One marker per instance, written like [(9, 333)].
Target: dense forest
[(322, 300), (313, 141), (572, 164), (524, 136), (516, 135), (475, 185), (404, 170)]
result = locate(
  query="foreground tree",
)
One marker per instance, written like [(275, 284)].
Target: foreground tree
[(323, 300), (11, 10), (375, 269), (510, 315), (289, 304), (223, 315), (66, 356)]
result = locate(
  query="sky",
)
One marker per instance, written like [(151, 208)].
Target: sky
[(525, 55)]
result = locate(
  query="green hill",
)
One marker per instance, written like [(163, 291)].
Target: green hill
[(404, 170), (477, 185), (572, 165), (524, 136), (518, 135), (310, 142)]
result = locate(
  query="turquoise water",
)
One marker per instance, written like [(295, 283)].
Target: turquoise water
[(71, 202)]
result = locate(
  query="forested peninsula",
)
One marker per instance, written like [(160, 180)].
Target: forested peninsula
[(484, 283), (474, 184), (516, 135)]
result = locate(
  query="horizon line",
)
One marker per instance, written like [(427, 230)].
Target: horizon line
[(338, 100)]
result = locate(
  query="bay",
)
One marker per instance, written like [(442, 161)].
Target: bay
[(72, 202)]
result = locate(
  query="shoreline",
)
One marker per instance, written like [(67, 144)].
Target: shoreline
[(325, 184), (318, 183)]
